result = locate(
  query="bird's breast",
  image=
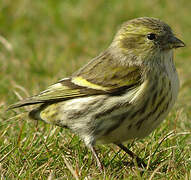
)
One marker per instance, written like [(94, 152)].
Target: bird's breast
[(148, 105)]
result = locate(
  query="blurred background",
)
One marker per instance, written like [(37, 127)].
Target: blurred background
[(44, 41)]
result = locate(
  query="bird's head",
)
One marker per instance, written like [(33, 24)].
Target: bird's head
[(143, 37)]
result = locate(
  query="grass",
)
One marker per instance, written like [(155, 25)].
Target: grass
[(43, 41)]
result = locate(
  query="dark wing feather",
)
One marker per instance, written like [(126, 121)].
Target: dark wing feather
[(97, 77)]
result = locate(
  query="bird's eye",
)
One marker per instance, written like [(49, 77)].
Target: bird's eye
[(151, 36)]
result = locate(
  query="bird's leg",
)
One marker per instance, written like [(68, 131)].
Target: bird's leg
[(96, 157), (140, 162)]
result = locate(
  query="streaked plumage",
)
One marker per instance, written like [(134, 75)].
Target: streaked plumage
[(123, 93)]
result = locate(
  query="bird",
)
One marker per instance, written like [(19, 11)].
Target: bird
[(123, 93)]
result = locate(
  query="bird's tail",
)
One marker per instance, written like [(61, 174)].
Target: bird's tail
[(24, 102)]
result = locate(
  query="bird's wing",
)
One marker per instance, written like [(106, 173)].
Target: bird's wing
[(110, 80)]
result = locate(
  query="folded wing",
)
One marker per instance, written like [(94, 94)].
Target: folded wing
[(112, 80)]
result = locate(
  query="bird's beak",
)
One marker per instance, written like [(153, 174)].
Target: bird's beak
[(174, 42)]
